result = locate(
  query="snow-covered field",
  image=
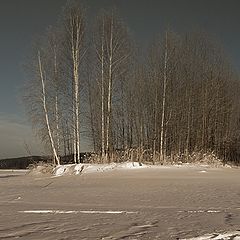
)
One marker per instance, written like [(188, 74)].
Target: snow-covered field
[(121, 201)]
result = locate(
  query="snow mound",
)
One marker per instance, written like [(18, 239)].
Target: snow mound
[(131, 165), (76, 169), (217, 236)]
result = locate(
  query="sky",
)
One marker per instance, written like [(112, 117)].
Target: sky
[(21, 20)]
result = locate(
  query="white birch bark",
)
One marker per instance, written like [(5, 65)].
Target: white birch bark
[(56, 100), (109, 99), (46, 111), (164, 98), (76, 33), (155, 125), (102, 93)]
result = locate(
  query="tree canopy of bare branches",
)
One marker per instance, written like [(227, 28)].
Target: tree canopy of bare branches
[(179, 99)]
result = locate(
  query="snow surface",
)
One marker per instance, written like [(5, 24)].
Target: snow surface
[(201, 211), (75, 212), (217, 236), (171, 202), (75, 169)]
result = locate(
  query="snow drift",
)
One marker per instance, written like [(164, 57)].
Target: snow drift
[(76, 169)]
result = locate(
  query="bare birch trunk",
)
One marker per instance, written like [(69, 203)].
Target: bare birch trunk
[(76, 95), (102, 94), (74, 141), (57, 124), (109, 90), (56, 101), (45, 110), (188, 127), (155, 127), (164, 98), (76, 33)]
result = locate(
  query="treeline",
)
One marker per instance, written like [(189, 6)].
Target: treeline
[(178, 98), (21, 162)]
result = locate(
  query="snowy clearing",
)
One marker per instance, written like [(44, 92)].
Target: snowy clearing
[(130, 202)]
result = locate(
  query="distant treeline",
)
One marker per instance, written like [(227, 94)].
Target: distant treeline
[(21, 162), (179, 98), (26, 162)]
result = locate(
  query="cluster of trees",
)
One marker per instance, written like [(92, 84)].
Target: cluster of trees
[(179, 98)]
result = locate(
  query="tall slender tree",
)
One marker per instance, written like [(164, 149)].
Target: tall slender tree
[(74, 24)]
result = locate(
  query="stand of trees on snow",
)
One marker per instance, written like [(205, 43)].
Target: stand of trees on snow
[(178, 99)]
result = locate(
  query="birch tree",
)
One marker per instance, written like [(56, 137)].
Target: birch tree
[(74, 29), (112, 49), (42, 77), (37, 96)]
